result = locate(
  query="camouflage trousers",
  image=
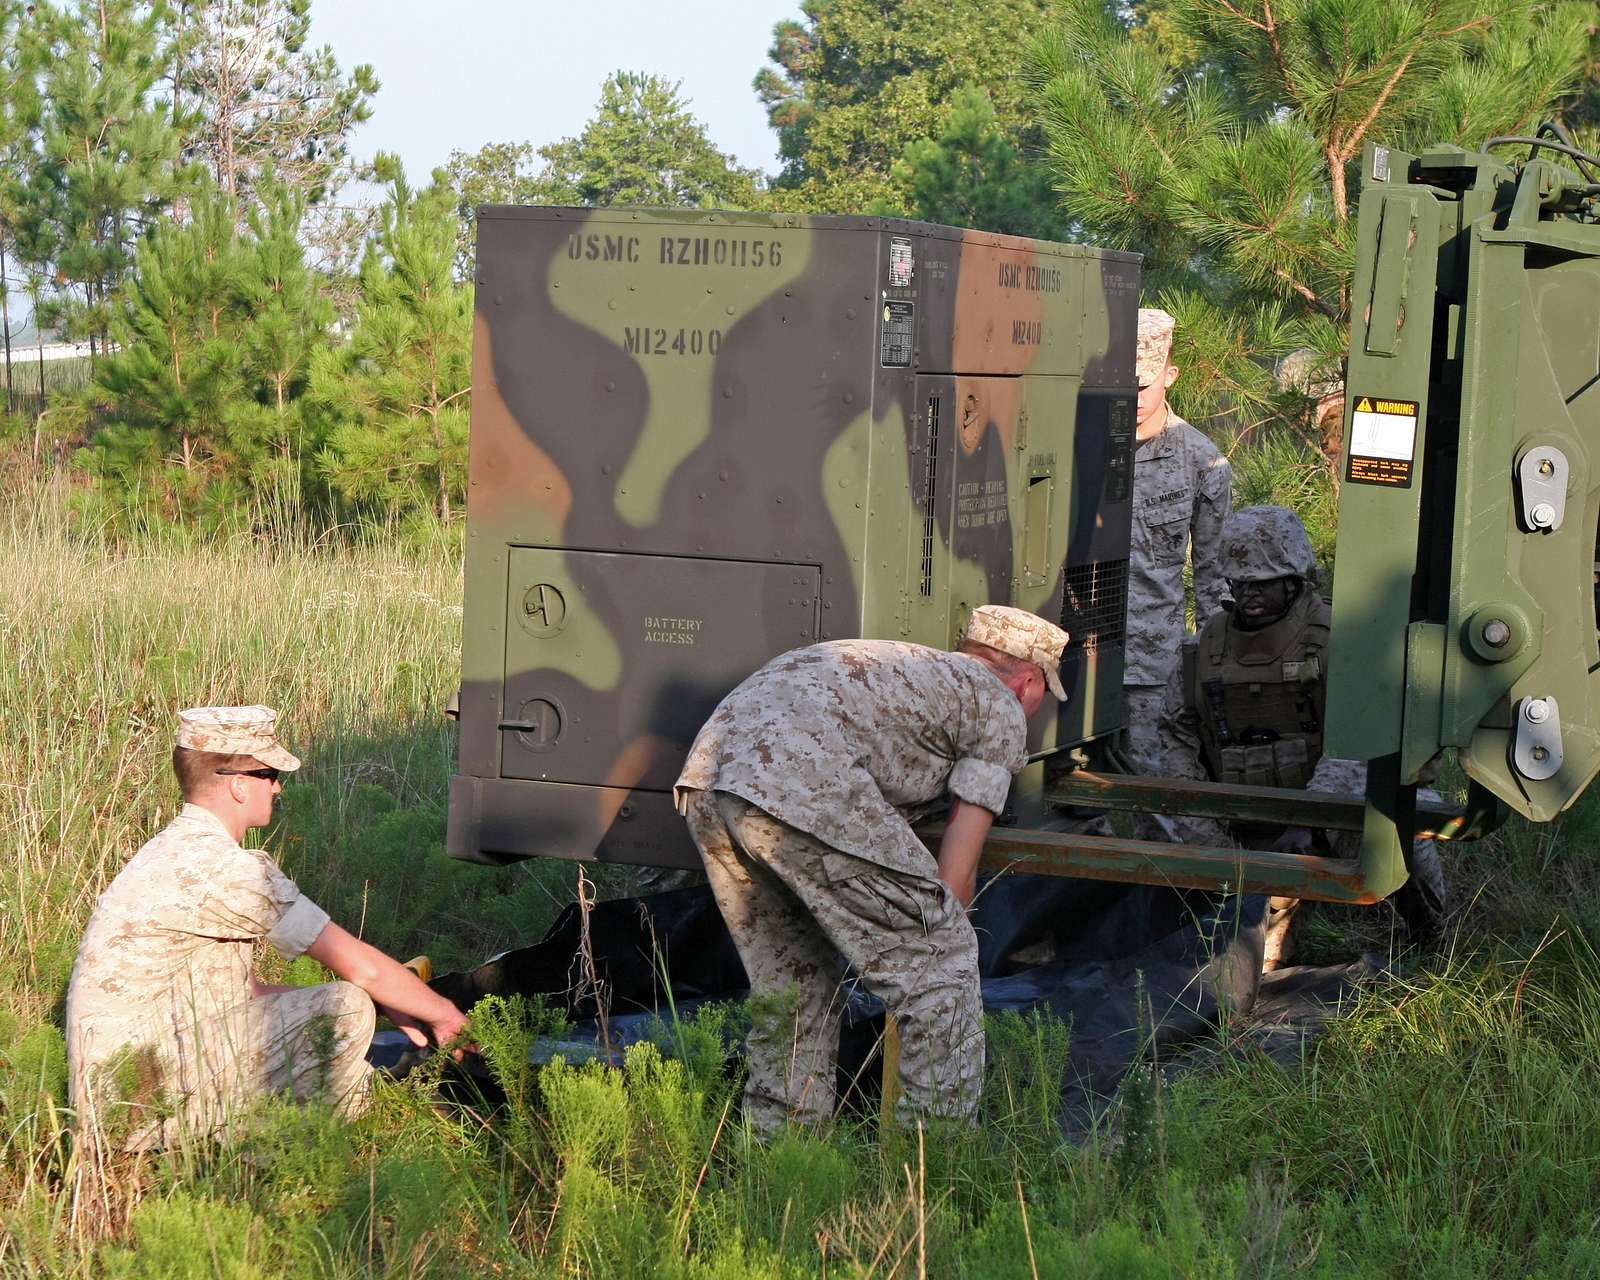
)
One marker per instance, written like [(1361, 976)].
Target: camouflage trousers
[(1142, 706), (799, 912), (309, 1043)]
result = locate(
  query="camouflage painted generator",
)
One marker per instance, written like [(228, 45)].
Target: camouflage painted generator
[(702, 439)]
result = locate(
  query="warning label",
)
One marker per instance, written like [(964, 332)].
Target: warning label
[(1383, 441), (899, 334), (902, 265)]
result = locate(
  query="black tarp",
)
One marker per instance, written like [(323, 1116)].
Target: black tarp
[(1134, 970)]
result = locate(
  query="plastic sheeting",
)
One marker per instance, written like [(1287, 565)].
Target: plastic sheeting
[(1134, 970)]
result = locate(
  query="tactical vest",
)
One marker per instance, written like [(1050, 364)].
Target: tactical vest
[(1260, 695)]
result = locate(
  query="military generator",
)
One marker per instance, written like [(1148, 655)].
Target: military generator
[(701, 439)]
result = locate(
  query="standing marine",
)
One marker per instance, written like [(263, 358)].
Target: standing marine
[(1182, 494), (1246, 705), (169, 1032), (800, 792)]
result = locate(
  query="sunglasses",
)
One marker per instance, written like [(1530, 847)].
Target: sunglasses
[(271, 775)]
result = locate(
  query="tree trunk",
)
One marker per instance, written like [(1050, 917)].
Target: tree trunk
[(5, 328), (1336, 177), (444, 480), (225, 178)]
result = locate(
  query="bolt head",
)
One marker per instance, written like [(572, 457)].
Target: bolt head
[(1537, 711), (1496, 633), (1543, 515)]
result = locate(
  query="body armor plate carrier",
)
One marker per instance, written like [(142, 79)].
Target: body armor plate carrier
[(1259, 695)]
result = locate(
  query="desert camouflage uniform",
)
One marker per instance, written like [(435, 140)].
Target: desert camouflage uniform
[(164, 974), (1182, 496), (799, 792)]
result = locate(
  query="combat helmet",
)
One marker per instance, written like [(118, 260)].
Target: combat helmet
[(1260, 543)]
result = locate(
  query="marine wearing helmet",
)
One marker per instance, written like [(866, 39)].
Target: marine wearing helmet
[(1255, 675)]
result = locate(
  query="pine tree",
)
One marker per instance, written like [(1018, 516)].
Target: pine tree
[(109, 153), (256, 99), (286, 318), (288, 310), (176, 375), (18, 113), (215, 339), (643, 146), (973, 175), (1221, 138), (397, 394)]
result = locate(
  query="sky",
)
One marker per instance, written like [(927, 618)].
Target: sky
[(459, 74)]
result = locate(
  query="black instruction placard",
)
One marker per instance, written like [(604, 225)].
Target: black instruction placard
[(899, 334)]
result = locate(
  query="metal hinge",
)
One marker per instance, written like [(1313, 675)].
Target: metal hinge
[(1536, 749)]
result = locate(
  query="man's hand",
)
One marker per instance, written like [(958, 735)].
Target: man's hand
[(399, 994), (959, 849), (418, 1031)]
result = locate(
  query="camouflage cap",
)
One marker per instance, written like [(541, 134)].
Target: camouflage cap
[(1155, 344), (240, 731), (1259, 543), (1023, 635)]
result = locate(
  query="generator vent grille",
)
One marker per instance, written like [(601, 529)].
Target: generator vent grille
[(1094, 603), (930, 486)]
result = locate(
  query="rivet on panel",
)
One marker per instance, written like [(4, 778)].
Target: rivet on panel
[(611, 304), (727, 393), (610, 385)]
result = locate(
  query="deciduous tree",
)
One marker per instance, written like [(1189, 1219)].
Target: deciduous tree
[(500, 173), (856, 82), (642, 146)]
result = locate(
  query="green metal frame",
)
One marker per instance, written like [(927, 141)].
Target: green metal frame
[(1359, 881)]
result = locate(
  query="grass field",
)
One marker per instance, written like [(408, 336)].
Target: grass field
[(1446, 1126)]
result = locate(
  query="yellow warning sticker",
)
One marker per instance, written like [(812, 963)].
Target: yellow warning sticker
[(1383, 441)]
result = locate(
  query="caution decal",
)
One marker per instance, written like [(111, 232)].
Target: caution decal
[(1383, 441)]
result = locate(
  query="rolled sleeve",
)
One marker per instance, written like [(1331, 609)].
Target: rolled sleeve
[(981, 783), (297, 928)]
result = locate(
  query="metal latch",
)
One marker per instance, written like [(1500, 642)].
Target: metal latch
[(1542, 488), (1536, 749)]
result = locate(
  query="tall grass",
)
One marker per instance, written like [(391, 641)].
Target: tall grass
[(1444, 1126)]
